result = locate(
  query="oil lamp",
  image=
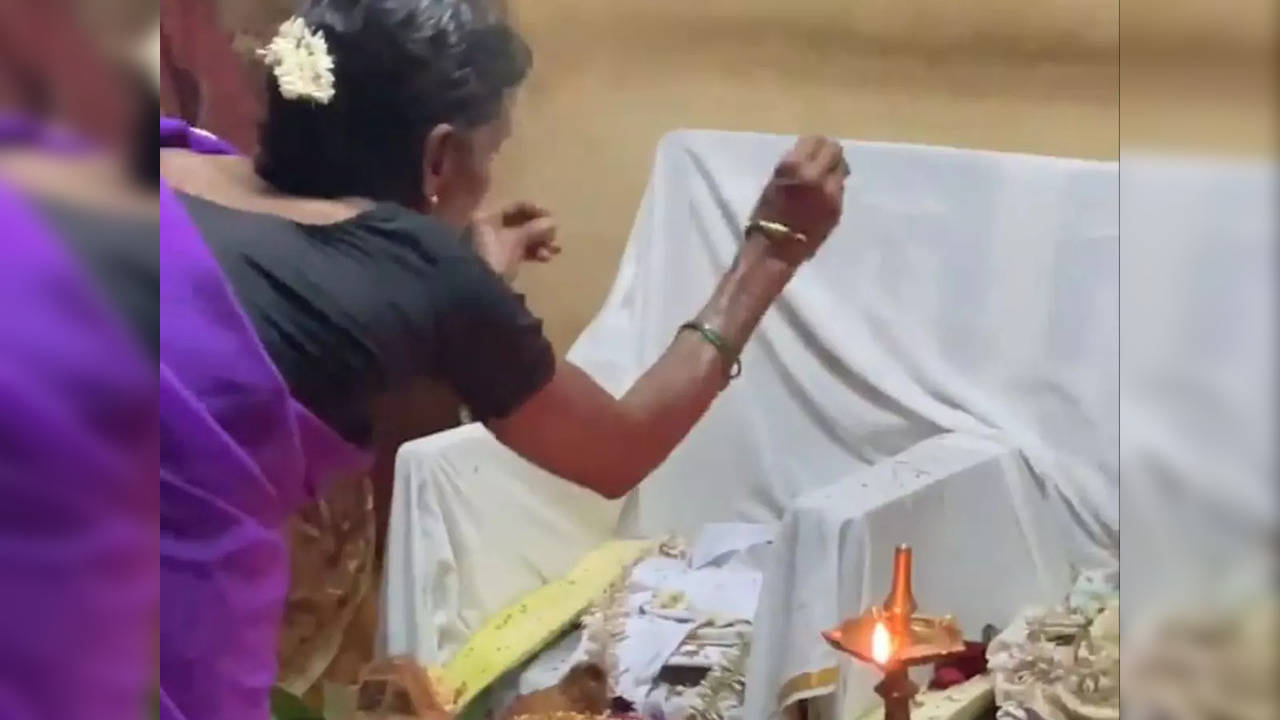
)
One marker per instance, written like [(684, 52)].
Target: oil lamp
[(893, 637)]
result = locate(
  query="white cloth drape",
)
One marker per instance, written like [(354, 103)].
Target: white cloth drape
[(964, 291), (1198, 383), (473, 528)]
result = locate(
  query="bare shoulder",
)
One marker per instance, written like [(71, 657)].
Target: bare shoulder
[(230, 180), (198, 174)]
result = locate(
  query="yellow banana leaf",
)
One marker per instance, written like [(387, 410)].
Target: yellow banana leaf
[(514, 635)]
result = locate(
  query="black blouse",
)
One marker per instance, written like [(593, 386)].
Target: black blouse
[(120, 254), (354, 309)]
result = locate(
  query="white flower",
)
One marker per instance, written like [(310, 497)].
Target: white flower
[(300, 60)]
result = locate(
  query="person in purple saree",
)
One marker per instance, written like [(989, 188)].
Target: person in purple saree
[(79, 578), (347, 260)]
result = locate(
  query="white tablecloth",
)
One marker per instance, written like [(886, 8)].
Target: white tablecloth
[(984, 541), (473, 528)]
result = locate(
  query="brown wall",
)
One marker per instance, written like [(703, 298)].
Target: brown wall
[(612, 76)]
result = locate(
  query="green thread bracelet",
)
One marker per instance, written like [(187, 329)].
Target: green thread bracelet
[(713, 336)]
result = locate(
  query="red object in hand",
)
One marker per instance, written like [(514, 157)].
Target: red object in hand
[(970, 663)]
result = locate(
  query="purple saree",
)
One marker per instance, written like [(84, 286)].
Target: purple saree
[(78, 497), (84, 423), (237, 456)]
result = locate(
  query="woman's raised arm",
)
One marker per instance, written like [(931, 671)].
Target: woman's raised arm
[(575, 429)]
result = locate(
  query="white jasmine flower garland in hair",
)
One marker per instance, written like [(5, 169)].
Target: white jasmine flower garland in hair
[(299, 57)]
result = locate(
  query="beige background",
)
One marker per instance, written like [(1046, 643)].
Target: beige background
[(1039, 76), (611, 76)]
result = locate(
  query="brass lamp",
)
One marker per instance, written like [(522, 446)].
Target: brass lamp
[(893, 637)]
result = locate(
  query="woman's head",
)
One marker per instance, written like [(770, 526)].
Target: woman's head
[(420, 104)]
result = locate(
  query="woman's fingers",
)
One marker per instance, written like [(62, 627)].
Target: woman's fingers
[(530, 231), (520, 213), (830, 158), (546, 253), (539, 230), (540, 239), (808, 147), (834, 187)]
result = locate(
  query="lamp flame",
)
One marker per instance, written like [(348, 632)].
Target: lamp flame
[(881, 644)]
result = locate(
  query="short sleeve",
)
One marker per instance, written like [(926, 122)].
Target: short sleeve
[(489, 347)]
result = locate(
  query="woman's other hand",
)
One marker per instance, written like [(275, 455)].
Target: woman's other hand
[(522, 232), (806, 191)]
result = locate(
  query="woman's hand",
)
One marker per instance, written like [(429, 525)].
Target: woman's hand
[(806, 191), (520, 233)]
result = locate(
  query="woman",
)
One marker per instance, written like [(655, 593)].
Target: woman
[(78, 496), (78, 499), (337, 267)]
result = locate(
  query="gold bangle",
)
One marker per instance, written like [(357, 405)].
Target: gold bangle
[(776, 230), (793, 247)]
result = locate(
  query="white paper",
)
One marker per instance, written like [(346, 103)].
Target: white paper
[(551, 665), (649, 641), (718, 540)]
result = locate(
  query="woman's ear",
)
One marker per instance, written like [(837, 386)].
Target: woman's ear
[(436, 163)]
